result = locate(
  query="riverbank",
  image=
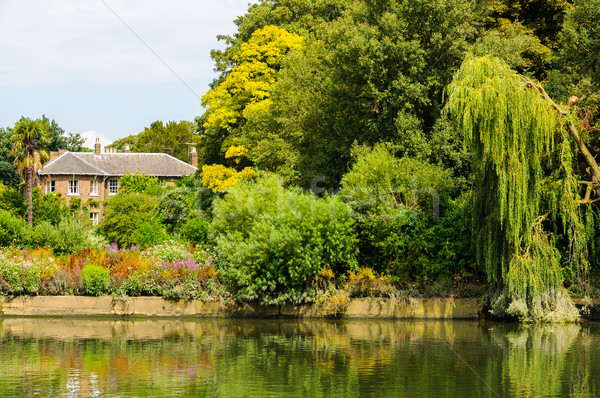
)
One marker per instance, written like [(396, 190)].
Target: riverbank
[(383, 308)]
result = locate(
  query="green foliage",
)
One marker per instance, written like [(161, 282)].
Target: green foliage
[(139, 183), (296, 16), (13, 231), (174, 206), (171, 138), (374, 74), (516, 45), (491, 106), (149, 233), (123, 214), (271, 242), (195, 230), (12, 201), (68, 236), (9, 175), (48, 207), (580, 40), (393, 198), (96, 280)]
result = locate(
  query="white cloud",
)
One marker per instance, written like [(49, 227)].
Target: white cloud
[(90, 139)]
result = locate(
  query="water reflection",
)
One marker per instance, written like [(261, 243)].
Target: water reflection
[(226, 358)]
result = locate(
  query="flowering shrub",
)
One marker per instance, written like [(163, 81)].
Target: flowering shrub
[(172, 270), (22, 271)]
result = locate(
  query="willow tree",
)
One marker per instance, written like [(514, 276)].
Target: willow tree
[(512, 131)]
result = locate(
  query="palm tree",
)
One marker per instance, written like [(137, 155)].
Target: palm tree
[(30, 138)]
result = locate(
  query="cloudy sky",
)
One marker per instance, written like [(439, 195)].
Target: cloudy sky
[(109, 68)]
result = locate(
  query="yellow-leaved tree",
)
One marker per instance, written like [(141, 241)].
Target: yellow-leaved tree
[(247, 87)]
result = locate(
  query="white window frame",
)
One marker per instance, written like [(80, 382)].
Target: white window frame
[(73, 187), (94, 218), (113, 189), (93, 187), (50, 186)]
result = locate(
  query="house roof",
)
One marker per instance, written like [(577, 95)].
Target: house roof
[(117, 164)]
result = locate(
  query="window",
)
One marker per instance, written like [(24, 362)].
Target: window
[(73, 187), (94, 187), (50, 186), (94, 218), (113, 187)]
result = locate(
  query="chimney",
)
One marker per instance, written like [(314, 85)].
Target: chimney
[(62, 151), (53, 155), (97, 147), (193, 157), (126, 148)]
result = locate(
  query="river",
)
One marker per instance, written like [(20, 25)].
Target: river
[(295, 358)]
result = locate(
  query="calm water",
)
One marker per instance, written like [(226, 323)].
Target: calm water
[(243, 358)]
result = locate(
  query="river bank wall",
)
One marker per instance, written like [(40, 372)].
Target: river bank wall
[(383, 308)]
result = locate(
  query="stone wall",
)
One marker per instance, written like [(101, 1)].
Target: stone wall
[(158, 307)]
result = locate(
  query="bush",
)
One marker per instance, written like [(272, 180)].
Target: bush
[(67, 237), (195, 230), (123, 214), (49, 207), (396, 202), (272, 242), (149, 233), (13, 231), (21, 271), (12, 201), (96, 280), (174, 206)]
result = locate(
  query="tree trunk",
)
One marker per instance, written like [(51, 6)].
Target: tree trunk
[(589, 158), (29, 193)]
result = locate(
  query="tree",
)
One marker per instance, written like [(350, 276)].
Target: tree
[(172, 138), (374, 74), (246, 89), (510, 130), (30, 139), (296, 16), (127, 216)]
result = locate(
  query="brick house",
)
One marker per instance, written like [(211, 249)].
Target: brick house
[(95, 175)]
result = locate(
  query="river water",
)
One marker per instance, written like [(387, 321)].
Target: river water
[(299, 358)]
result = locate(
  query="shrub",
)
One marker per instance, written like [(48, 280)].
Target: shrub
[(174, 206), (12, 201), (48, 207), (96, 280), (149, 233), (195, 230), (123, 214), (12, 230), (21, 271), (45, 235), (67, 237), (271, 241), (397, 203)]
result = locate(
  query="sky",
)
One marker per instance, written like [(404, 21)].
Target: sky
[(109, 68)]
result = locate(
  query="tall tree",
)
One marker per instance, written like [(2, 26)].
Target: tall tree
[(510, 130), (247, 88), (172, 138), (30, 139), (374, 74)]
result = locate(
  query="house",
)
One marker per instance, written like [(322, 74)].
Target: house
[(95, 175)]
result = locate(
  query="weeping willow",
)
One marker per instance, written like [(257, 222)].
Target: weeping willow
[(510, 130)]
